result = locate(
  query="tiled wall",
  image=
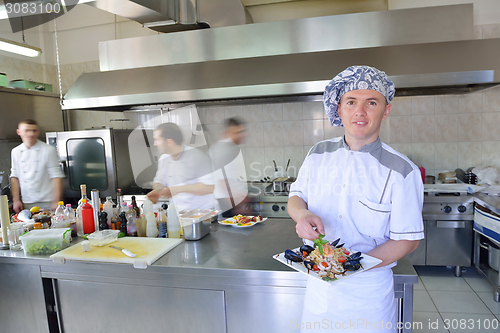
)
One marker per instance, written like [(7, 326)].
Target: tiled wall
[(45, 73)]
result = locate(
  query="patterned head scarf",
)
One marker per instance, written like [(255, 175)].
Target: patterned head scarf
[(355, 78)]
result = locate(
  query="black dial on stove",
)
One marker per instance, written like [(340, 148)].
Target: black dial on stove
[(447, 209), (462, 209), (276, 207), (283, 207)]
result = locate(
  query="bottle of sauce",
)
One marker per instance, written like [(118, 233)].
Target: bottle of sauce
[(422, 173), (131, 218), (88, 218), (162, 222), (151, 229), (108, 208), (173, 225), (136, 208), (83, 191)]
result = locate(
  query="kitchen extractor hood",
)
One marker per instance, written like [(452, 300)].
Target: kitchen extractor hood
[(178, 15), (419, 48)]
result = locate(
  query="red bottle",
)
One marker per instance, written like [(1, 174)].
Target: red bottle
[(422, 173), (88, 219)]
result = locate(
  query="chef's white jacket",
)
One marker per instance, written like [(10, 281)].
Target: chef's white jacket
[(191, 167), (35, 167), (365, 197)]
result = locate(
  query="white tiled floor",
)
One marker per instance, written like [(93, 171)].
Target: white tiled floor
[(445, 303)]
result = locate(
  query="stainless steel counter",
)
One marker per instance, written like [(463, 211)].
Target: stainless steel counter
[(220, 278), (488, 201)]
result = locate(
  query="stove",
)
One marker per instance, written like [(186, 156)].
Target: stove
[(266, 202)]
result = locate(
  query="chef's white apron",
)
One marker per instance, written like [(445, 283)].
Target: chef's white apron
[(361, 303)]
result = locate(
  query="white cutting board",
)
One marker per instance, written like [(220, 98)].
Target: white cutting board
[(148, 250)]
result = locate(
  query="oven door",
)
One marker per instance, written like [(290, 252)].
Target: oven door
[(87, 158), (449, 242)]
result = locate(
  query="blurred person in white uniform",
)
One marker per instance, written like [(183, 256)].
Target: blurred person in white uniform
[(231, 187), (362, 191), (36, 176), (184, 173)]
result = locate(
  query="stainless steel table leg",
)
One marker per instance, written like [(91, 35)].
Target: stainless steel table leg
[(458, 271)]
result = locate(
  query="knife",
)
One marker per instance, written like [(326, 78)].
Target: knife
[(125, 251)]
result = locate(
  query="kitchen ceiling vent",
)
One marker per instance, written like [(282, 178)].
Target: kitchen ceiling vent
[(178, 15)]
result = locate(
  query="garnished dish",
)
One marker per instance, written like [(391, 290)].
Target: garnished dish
[(243, 221), (327, 261)]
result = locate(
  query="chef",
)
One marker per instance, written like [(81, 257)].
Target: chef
[(229, 167), (360, 190), (184, 173), (36, 175)]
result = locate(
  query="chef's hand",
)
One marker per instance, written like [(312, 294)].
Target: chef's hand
[(154, 195), (17, 206), (309, 225), (53, 205)]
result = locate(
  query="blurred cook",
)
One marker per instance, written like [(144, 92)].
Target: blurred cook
[(229, 167), (36, 177), (184, 173), (359, 189)]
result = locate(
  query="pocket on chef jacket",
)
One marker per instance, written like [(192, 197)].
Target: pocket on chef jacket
[(371, 218)]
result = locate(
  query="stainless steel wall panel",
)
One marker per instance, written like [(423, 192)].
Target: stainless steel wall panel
[(318, 34)]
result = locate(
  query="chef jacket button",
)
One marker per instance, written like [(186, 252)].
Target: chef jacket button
[(343, 185), (352, 153), (340, 216)]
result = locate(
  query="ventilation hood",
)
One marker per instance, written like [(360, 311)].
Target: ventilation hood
[(178, 15), (425, 49)]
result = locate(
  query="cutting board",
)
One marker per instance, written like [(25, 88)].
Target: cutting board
[(148, 250)]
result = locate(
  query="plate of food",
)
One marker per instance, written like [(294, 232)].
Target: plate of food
[(329, 262), (242, 221)]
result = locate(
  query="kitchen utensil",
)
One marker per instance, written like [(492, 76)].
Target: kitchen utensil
[(287, 164), (275, 167), (125, 251)]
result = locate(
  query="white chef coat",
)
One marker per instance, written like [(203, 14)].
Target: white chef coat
[(229, 171), (191, 167), (365, 197), (35, 167)]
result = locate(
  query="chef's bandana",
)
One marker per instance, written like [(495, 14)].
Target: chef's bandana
[(355, 78)]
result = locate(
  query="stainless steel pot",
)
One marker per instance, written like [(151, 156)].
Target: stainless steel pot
[(282, 184)]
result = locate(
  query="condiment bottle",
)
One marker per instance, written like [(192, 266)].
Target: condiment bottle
[(173, 226), (108, 208), (131, 218), (162, 222), (422, 173), (151, 229), (136, 208), (88, 218)]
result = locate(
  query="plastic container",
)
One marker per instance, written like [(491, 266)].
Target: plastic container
[(14, 232), (108, 208), (46, 241), (103, 237)]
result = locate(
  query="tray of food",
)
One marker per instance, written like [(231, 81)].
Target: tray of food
[(242, 221), (329, 262)]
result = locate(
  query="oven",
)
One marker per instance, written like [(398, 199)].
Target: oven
[(448, 221)]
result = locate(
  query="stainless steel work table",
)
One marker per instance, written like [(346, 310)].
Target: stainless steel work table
[(225, 282)]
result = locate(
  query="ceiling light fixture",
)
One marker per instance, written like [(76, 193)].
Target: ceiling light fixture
[(19, 48)]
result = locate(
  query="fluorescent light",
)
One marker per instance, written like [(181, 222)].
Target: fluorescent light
[(19, 48)]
